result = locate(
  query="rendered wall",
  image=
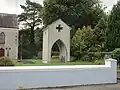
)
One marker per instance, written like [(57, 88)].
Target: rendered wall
[(51, 76), (52, 35), (11, 41), (64, 36), (45, 46)]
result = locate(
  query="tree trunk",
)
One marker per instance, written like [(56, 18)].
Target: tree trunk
[(32, 40)]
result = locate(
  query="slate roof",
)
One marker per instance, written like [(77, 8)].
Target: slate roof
[(8, 20)]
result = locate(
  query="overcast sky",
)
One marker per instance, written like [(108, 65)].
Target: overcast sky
[(13, 6)]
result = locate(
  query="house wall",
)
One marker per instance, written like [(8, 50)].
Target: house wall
[(11, 41), (12, 78)]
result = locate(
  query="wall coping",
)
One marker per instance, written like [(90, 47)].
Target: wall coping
[(112, 60), (8, 29), (52, 68), (56, 68)]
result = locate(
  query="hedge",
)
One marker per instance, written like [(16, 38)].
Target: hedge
[(91, 56)]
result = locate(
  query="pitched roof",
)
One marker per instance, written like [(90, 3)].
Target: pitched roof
[(8, 20)]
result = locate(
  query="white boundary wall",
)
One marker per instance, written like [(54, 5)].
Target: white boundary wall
[(52, 76)]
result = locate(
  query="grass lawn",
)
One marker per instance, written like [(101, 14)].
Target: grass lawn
[(54, 62)]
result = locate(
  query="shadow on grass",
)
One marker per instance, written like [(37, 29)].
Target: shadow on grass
[(28, 62)]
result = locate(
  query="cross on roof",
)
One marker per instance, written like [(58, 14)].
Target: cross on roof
[(59, 28)]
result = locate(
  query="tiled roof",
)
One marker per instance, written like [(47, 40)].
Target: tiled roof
[(8, 20)]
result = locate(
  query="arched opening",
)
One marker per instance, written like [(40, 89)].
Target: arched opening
[(2, 52), (55, 52), (58, 52)]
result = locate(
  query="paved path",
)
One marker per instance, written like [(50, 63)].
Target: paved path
[(92, 87)]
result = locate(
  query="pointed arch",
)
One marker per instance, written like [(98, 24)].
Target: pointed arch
[(2, 52), (62, 50), (2, 38), (57, 42)]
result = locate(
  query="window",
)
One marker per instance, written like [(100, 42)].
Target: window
[(2, 38)]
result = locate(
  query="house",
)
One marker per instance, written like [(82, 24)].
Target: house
[(9, 35)]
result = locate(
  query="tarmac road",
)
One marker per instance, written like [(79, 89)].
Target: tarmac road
[(91, 87)]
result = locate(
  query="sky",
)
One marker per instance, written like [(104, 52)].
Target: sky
[(13, 6)]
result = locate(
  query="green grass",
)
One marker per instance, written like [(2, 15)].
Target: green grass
[(118, 70), (54, 62)]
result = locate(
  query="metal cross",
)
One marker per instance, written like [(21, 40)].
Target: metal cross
[(59, 28)]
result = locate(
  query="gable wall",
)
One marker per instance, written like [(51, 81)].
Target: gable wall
[(54, 35)]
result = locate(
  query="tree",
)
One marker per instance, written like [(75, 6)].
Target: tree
[(24, 44), (91, 40), (30, 18), (82, 41), (113, 31), (39, 39), (99, 34), (76, 13)]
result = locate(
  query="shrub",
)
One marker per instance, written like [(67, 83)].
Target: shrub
[(4, 61), (90, 56), (116, 55)]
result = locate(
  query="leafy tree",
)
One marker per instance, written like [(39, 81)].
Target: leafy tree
[(99, 34), (76, 13), (90, 40), (113, 31), (82, 41), (30, 18)]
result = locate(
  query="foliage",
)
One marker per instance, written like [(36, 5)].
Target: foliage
[(76, 13), (116, 54), (39, 39), (82, 40), (113, 32), (90, 40), (26, 49), (90, 56), (30, 18), (55, 62), (4, 61), (87, 42), (99, 35)]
